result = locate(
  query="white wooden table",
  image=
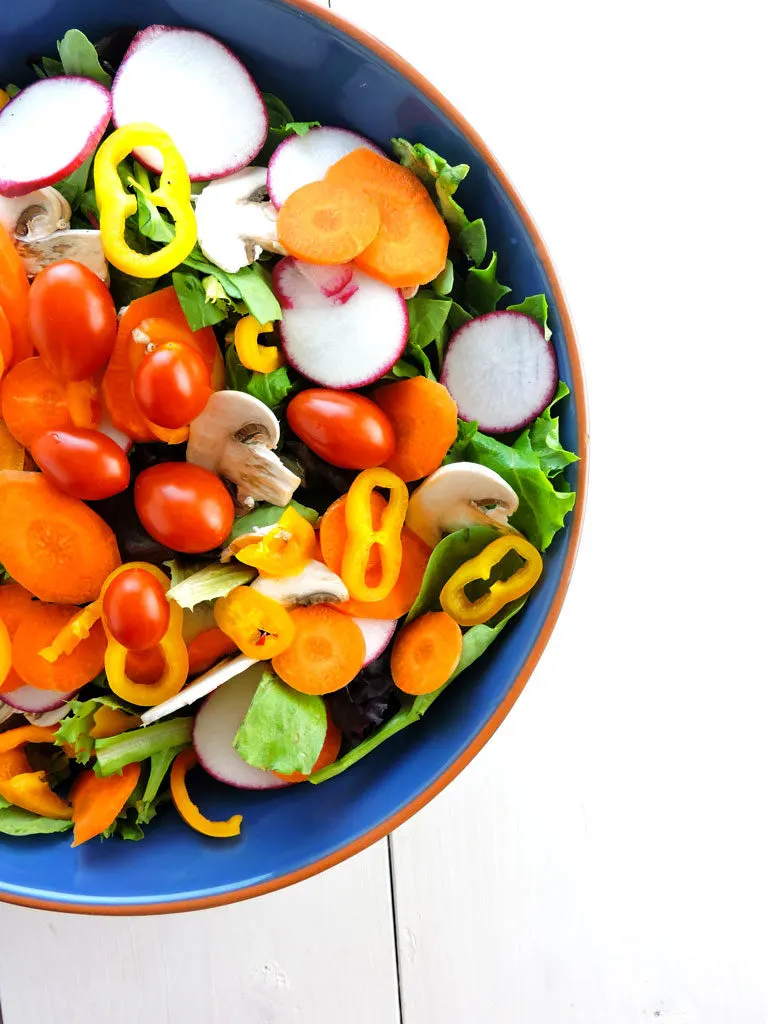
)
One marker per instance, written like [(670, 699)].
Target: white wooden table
[(603, 861)]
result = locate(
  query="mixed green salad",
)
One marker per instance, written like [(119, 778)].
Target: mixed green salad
[(279, 459)]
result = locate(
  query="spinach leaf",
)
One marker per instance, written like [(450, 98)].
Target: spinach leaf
[(451, 553), (272, 388), (74, 185), (194, 302), (443, 283), (482, 290), (428, 315), (281, 125), (268, 515), (79, 57), (283, 730)]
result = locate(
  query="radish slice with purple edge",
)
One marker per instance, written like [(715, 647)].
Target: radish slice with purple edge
[(302, 159), (201, 687), (216, 726), (500, 370), (35, 701), (331, 280), (377, 633), (343, 340), (49, 130), (180, 79)]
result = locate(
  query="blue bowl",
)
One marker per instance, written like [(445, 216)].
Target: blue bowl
[(346, 78)]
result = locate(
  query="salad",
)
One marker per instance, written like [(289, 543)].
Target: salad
[(275, 466)]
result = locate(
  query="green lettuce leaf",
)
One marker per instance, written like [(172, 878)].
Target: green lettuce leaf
[(211, 582), (442, 180), (402, 369), (115, 752), (151, 796), (270, 388), (73, 187), (443, 283), (281, 125), (268, 515), (545, 437), (283, 730), (198, 309), (16, 822), (482, 289), (79, 57), (534, 306), (75, 729)]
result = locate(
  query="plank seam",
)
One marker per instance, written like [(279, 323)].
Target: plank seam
[(395, 925)]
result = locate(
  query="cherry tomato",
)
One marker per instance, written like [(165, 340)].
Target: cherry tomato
[(72, 320), (83, 463), (172, 385), (185, 507), (136, 609), (346, 430)]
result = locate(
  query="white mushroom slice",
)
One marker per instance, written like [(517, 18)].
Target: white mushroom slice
[(6, 712), (36, 214), (83, 246), (201, 687), (234, 436), (236, 221), (315, 584), (453, 497)]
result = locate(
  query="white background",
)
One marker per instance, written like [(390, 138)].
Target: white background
[(603, 860)]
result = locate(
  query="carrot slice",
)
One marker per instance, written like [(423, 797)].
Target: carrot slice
[(117, 384), (15, 602), (53, 544), (324, 223), (97, 802), (14, 296), (411, 246), (333, 537), (33, 401), (12, 454), (426, 653), (39, 627), (6, 343), (425, 420), (327, 651), (207, 648), (328, 753)]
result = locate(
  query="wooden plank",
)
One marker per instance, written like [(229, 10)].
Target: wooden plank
[(603, 860), (317, 952)]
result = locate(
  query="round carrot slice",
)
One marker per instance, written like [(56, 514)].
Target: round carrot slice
[(327, 651), (425, 420), (39, 628), (33, 401), (328, 224), (426, 653)]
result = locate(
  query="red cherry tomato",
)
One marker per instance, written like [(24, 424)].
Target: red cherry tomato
[(346, 430), (172, 385), (72, 320), (83, 463), (136, 609), (185, 507)]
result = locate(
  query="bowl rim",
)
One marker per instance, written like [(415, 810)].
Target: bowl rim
[(578, 394)]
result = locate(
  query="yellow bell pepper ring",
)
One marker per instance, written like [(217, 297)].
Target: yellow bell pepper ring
[(259, 626), (253, 356), (362, 538), (116, 205), (189, 811), (453, 596), (284, 551), (5, 652)]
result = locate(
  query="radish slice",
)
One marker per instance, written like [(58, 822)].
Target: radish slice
[(36, 701), (330, 280), (202, 686), (182, 80), (344, 340), (302, 159), (48, 130), (500, 370), (46, 718), (377, 633), (215, 729)]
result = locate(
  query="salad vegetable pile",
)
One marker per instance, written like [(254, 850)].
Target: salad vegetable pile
[(274, 466)]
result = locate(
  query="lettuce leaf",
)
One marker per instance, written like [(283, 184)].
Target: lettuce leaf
[(159, 766), (270, 388), (442, 180), (196, 306), (534, 306), (211, 582), (115, 752), (281, 125), (545, 437), (283, 730), (75, 729), (16, 822), (79, 57), (482, 289)]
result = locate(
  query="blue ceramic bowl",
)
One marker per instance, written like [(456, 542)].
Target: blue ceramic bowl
[(319, 65)]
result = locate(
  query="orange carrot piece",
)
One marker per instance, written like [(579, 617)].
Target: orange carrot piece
[(324, 223), (15, 602), (33, 401), (15, 738), (327, 651), (14, 296), (12, 454), (411, 246), (207, 648), (333, 537), (328, 753), (117, 384), (6, 343), (425, 420), (426, 653), (97, 802), (39, 628), (53, 544)]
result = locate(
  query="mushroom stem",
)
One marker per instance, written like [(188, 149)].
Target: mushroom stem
[(258, 473)]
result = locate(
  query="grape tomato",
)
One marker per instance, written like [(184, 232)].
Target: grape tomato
[(84, 463), (136, 609), (347, 430), (185, 507)]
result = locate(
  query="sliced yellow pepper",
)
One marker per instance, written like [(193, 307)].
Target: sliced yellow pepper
[(189, 811), (253, 356), (26, 734), (284, 551), (259, 626), (31, 791), (453, 597), (362, 538), (116, 205), (5, 652)]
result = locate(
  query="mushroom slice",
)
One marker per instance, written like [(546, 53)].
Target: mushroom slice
[(36, 214), (46, 718), (236, 221), (83, 246), (234, 436), (315, 584), (453, 497), (6, 712)]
